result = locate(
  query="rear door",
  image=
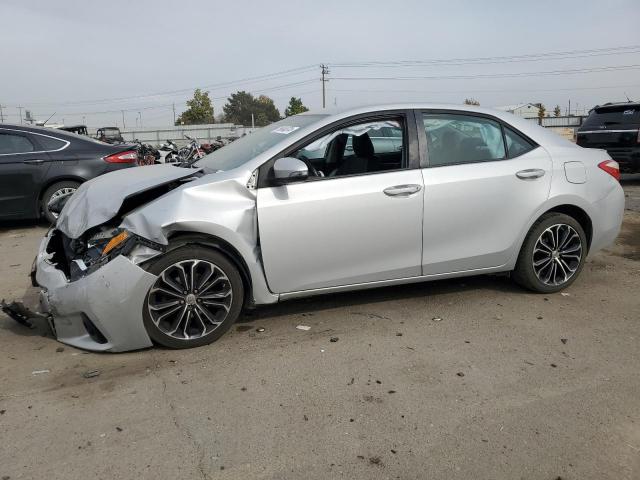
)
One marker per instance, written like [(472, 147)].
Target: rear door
[(479, 194), (23, 168)]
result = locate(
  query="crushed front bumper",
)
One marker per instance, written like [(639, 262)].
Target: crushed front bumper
[(101, 311)]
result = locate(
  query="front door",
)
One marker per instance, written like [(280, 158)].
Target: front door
[(357, 220)]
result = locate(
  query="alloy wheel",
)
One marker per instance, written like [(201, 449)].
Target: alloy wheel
[(557, 254), (62, 192), (190, 299)]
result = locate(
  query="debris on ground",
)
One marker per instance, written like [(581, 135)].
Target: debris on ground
[(460, 374), (20, 313), (260, 329), (375, 460), (243, 328), (554, 365), (119, 429), (91, 373), (391, 392), (39, 372), (539, 317), (303, 327), (59, 349), (333, 339), (352, 380), (436, 319), (564, 340), (565, 294), (398, 334), (2, 412)]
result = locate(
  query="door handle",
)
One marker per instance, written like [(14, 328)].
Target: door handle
[(33, 162), (402, 190), (530, 173)]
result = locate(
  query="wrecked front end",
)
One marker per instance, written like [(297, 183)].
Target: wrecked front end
[(89, 268), (93, 291)]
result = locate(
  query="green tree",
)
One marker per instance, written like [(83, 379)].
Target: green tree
[(200, 110), (557, 111), (295, 107), (542, 111), (471, 101), (241, 105)]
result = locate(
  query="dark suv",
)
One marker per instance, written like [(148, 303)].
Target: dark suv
[(615, 128), (38, 165)]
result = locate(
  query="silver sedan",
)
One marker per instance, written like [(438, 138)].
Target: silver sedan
[(171, 254)]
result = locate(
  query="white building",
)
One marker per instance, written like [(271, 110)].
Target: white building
[(524, 110)]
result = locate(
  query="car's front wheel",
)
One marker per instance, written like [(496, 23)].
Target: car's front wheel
[(196, 298), (552, 255)]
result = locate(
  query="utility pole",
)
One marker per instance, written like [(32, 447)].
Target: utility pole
[(325, 71), (1, 115), (253, 122), (20, 110), (569, 114), (140, 113), (124, 125), (174, 113)]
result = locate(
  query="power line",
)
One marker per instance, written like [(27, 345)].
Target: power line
[(500, 75), (215, 86), (499, 59), (484, 91)]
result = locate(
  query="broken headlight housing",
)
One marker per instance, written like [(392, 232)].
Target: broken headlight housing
[(101, 247)]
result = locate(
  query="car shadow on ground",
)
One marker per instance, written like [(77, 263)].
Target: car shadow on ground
[(431, 289)]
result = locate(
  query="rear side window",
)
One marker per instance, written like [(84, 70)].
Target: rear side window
[(10, 143), (516, 143), (50, 143), (453, 139), (619, 115)]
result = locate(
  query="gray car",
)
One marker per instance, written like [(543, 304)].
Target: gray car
[(171, 255)]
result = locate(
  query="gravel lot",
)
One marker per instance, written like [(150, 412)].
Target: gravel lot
[(469, 378)]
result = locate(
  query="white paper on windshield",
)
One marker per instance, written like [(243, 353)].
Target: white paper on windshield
[(285, 130)]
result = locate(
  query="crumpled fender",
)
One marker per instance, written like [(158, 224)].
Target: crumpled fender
[(219, 205)]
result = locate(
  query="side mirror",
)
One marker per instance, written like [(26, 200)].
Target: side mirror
[(289, 170)]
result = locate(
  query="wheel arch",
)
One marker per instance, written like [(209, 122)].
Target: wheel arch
[(181, 238), (578, 214)]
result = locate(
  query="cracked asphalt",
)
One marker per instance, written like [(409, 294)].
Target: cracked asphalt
[(468, 378)]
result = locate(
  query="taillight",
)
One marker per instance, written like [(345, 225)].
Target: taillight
[(130, 156), (611, 167)]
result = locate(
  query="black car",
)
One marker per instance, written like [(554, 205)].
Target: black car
[(38, 165), (615, 128)]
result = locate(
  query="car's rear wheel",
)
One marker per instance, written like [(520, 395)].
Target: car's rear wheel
[(196, 298), (55, 191), (552, 255)]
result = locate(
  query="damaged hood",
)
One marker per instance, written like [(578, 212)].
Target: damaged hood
[(100, 199)]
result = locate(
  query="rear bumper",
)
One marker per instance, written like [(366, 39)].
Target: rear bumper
[(606, 218), (101, 311)]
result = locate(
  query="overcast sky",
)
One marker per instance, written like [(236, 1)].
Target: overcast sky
[(81, 57)]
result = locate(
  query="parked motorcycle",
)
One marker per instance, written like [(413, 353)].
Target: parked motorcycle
[(169, 152), (147, 154)]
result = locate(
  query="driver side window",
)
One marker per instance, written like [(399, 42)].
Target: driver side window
[(357, 149)]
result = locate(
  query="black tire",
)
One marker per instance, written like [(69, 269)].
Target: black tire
[(229, 279), (48, 194), (525, 274)]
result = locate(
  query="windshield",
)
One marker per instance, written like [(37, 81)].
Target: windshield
[(619, 115), (252, 145)]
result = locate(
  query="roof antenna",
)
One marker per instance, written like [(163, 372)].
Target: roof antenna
[(45, 122), (628, 99)]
